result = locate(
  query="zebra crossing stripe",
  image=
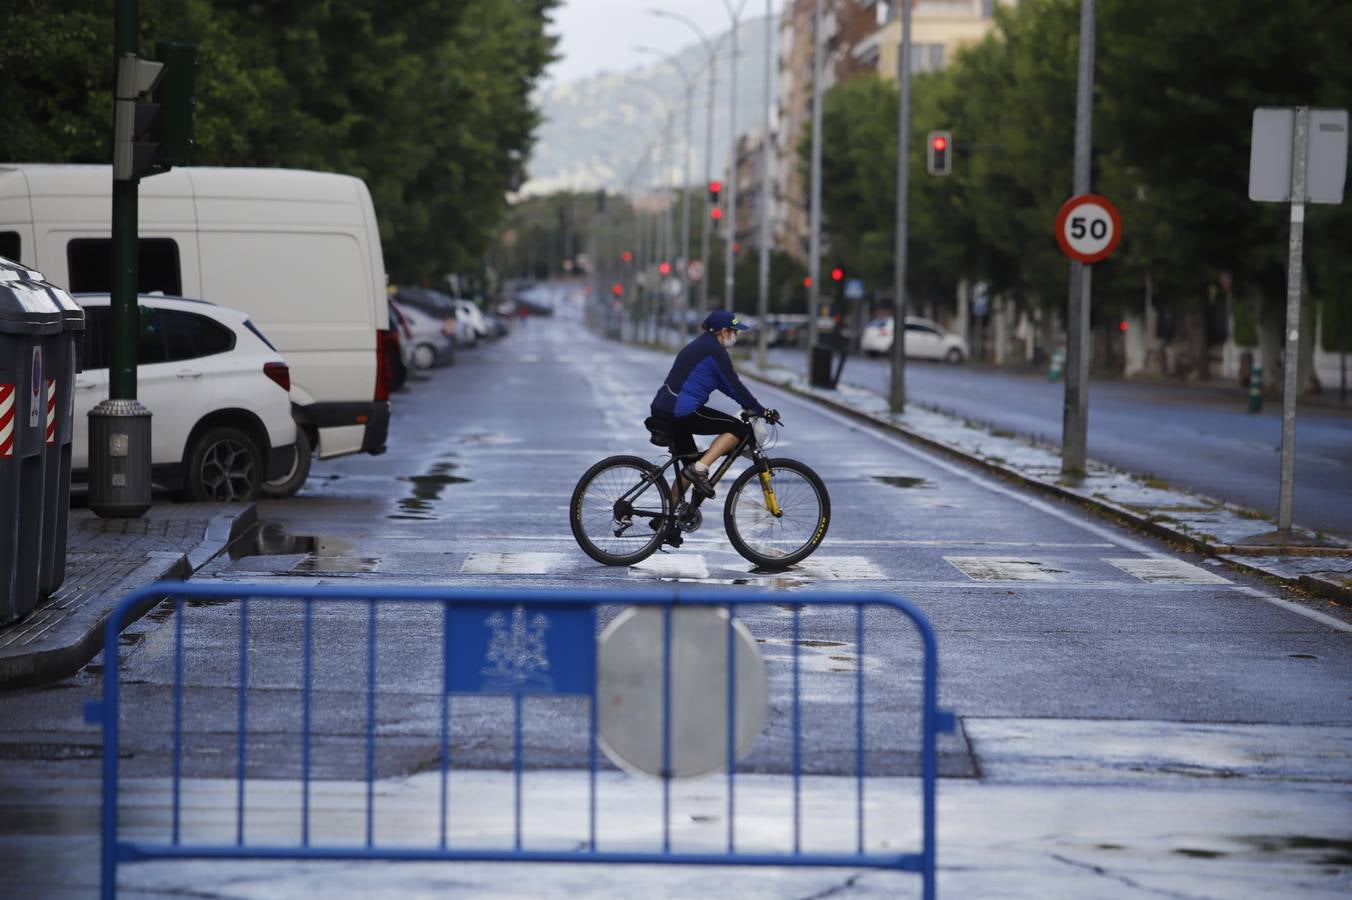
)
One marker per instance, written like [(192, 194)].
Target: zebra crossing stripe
[(51, 410), (7, 405)]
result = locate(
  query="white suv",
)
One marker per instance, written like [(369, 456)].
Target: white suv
[(219, 392)]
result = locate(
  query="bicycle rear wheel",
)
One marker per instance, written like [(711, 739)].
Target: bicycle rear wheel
[(614, 507), (770, 541)]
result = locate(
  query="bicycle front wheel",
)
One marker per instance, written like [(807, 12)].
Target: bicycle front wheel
[(804, 511), (619, 510)]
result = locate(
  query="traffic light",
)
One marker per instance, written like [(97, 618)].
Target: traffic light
[(837, 274), (152, 119), (714, 188), (717, 215), (664, 267), (940, 160), (627, 256), (617, 289)]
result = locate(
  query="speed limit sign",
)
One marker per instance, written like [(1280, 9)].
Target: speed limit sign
[(1088, 228), (694, 270)]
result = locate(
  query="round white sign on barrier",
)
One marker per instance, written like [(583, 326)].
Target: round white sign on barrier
[(694, 270), (629, 690), (1088, 228)]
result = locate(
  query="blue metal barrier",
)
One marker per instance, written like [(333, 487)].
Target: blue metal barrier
[(564, 643)]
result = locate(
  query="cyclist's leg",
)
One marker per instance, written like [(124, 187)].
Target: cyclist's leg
[(730, 431)]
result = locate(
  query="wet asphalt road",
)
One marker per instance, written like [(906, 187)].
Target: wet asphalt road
[(1198, 438), (1041, 611)]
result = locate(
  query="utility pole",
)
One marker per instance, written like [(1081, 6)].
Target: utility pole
[(1075, 419), (730, 239), (896, 397), (763, 302), (815, 202)]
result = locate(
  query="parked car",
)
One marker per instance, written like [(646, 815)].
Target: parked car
[(444, 306), (428, 337), (478, 323), (219, 392), (924, 340)]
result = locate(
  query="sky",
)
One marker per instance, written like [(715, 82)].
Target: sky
[(599, 35)]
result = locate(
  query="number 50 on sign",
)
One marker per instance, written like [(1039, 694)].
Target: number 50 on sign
[(1088, 228)]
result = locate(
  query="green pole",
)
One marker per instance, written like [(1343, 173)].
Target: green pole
[(122, 371)]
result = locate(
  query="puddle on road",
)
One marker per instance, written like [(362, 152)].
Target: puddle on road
[(904, 481), (323, 555), (427, 490)]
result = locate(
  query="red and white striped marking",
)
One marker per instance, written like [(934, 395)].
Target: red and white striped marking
[(51, 410), (7, 406)]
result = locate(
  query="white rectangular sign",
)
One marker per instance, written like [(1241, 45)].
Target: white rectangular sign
[(1270, 155)]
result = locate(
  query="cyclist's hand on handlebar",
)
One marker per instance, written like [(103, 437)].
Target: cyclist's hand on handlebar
[(772, 416)]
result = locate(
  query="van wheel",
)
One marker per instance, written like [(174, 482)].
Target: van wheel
[(424, 356), (288, 484), (224, 466)]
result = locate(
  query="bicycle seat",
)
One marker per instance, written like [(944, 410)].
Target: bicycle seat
[(657, 431)]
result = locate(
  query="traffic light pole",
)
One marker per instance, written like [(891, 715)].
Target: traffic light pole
[(896, 396), (1075, 418), (763, 274), (814, 251), (122, 371)]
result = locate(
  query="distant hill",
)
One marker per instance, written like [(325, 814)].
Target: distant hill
[(595, 129)]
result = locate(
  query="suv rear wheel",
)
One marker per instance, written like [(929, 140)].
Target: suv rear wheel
[(224, 465), (288, 484)]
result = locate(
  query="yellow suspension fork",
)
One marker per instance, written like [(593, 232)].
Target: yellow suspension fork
[(771, 503)]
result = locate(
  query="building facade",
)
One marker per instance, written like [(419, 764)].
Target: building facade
[(939, 29)]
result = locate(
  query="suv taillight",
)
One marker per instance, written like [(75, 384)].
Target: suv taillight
[(280, 373), (387, 344)]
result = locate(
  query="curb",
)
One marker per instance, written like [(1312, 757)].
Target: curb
[(1320, 587), (44, 665)]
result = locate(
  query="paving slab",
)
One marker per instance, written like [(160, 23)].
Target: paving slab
[(105, 560)]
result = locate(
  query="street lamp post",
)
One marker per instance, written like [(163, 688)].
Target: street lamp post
[(896, 398), (815, 207), (729, 251), (711, 51), (763, 275)]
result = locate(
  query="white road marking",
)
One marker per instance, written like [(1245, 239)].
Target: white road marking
[(846, 568), (1004, 568), (1167, 571), (511, 563), (672, 566), (1296, 608)]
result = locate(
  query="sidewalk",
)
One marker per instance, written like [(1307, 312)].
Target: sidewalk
[(106, 559), (1306, 560)]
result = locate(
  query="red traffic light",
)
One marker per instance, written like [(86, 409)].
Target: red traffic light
[(617, 289), (1123, 325), (626, 256), (715, 187), (837, 274), (715, 213), (664, 267), (940, 142), (807, 282)]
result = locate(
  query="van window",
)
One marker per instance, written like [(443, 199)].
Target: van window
[(190, 336), (9, 245), (90, 262)]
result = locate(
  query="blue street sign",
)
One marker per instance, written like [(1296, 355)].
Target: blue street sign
[(535, 650), (854, 289)]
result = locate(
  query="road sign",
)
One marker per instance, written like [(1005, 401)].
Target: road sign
[(854, 289), (1270, 155), (1088, 228), (694, 270), (981, 298)]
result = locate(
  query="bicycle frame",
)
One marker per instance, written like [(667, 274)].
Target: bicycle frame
[(747, 444)]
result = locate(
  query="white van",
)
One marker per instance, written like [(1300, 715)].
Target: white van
[(298, 251)]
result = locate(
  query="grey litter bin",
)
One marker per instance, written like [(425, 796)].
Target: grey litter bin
[(61, 353), (28, 318)]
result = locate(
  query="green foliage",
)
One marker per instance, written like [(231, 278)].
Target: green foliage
[(1176, 85), (428, 101)]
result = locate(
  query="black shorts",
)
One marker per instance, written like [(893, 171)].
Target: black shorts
[(703, 420)]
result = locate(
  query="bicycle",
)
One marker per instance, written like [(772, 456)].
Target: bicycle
[(622, 507)]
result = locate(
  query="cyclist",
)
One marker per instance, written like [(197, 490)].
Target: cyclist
[(702, 367)]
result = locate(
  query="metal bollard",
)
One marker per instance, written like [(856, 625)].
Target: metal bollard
[(1256, 388), (1058, 365)]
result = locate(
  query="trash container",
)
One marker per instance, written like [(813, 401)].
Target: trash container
[(61, 357), (28, 319), (821, 367)]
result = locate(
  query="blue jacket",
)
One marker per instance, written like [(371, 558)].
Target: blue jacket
[(701, 367)]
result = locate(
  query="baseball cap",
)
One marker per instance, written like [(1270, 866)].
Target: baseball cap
[(720, 319)]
